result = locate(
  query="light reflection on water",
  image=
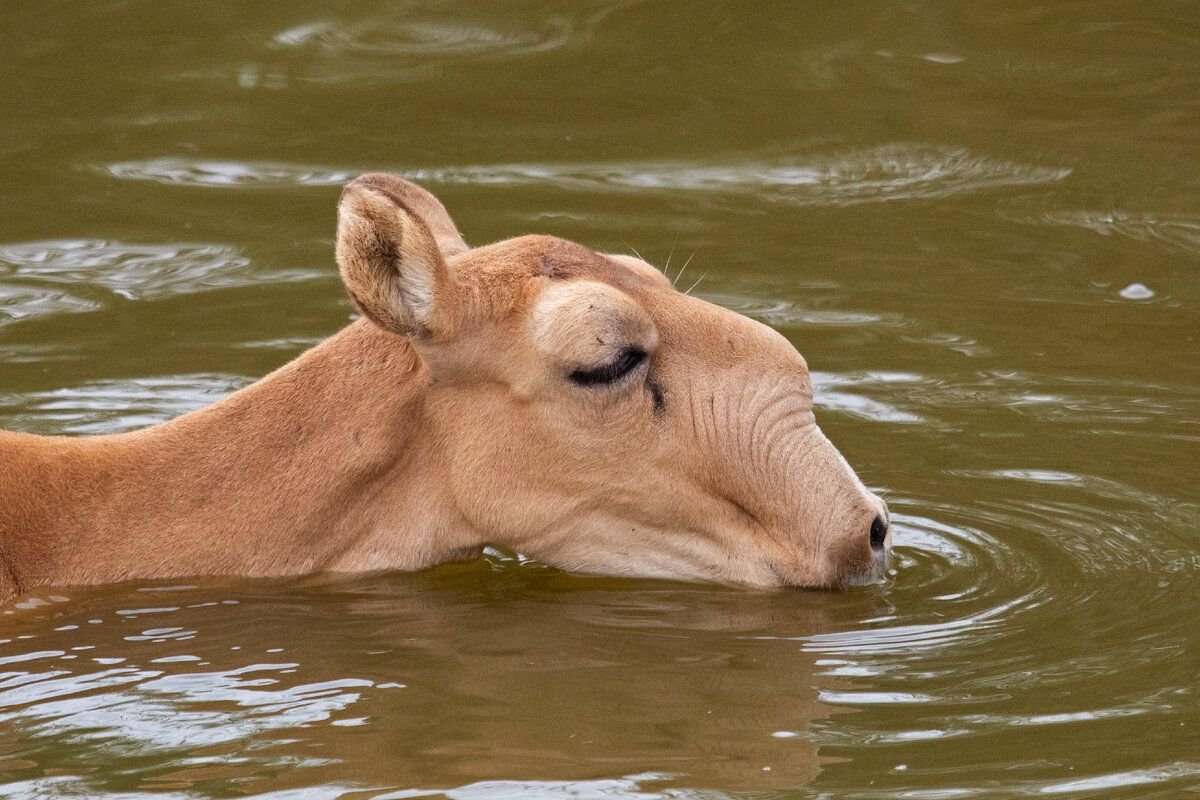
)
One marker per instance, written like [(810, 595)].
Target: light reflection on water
[(66, 276), (227, 174), (114, 406), (404, 36)]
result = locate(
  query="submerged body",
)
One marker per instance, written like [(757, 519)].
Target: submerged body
[(532, 393)]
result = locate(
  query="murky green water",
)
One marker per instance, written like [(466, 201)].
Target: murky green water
[(980, 223)]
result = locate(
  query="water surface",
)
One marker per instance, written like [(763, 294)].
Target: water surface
[(980, 224)]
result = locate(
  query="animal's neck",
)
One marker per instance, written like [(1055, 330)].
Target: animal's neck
[(314, 467)]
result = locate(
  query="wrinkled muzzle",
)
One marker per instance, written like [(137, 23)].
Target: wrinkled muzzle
[(816, 523)]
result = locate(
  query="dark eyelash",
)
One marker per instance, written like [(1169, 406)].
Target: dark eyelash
[(625, 362)]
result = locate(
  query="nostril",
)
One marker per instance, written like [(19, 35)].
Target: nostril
[(879, 530)]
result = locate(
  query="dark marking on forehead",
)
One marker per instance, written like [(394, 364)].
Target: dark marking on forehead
[(547, 267), (561, 259)]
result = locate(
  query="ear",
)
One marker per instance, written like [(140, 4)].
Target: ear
[(391, 263), (423, 204)]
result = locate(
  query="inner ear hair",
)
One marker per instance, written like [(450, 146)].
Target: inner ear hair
[(422, 204), (391, 263)]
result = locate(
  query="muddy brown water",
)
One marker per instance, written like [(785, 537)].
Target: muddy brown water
[(979, 222)]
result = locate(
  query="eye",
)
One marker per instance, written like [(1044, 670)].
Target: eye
[(625, 362)]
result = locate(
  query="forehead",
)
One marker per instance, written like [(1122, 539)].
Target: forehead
[(559, 260)]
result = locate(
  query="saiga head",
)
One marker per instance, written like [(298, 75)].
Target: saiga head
[(593, 417)]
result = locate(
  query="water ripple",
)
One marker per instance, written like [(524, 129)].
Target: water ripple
[(627, 788), (1173, 232), (73, 275), (632, 787), (1085, 403), (982, 566), (401, 45), (829, 394), (1181, 774), (880, 174), (784, 313), (226, 174), (404, 36), (939, 559), (161, 711), (116, 406)]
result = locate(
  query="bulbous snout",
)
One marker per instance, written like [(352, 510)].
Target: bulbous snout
[(850, 524)]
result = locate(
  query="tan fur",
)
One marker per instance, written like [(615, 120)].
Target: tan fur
[(448, 420)]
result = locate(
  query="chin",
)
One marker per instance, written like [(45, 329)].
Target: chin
[(875, 572)]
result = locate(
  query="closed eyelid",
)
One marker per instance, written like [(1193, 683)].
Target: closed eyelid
[(625, 362)]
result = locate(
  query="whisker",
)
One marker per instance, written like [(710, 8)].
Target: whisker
[(634, 249), (697, 283), (681, 269)]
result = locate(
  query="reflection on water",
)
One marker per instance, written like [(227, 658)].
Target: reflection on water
[(499, 668)]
